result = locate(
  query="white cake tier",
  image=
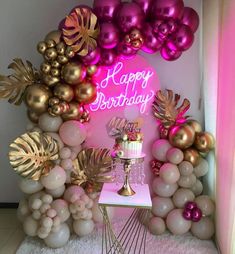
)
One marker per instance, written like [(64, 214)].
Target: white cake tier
[(131, 148)]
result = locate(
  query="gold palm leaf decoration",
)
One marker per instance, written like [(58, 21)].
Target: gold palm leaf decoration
[(165, 107), (32, 154), (14, 85), (81, 31), (91, 168)]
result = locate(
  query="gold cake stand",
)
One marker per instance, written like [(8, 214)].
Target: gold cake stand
[(127, 163)]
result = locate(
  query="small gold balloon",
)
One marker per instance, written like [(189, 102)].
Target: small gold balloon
[(85, 92), (41, 47), (62, 59), (192, 155), (92, 70), (36, 98), (53, 101), (55, 64), (50, 43), (195, 125), (45, 68), (64, 92), (33, 117), (204, 142), (50, 80), (69, 52), (57, 109), (73, 73), (74, 113), (55, 72), (54, 35), (60, 48), (50, 54), (181, 136)]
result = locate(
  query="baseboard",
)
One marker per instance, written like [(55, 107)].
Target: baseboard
[(8, 205)]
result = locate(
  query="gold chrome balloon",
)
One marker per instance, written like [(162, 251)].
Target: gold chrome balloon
[(64, 92), (50, 80), (50, 43), (74, 113), (92, 70), (204, 142), (50, 54), (45, 68), (195, 125), (36, 98), (85, 92), (73, 73), (62, 59), (55, 72), (53, 101), (192, 155), (60, 48), (181, 136), (41, 47), (54, 35), (33, 117)]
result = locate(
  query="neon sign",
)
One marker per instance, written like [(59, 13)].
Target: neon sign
[(120, 88)]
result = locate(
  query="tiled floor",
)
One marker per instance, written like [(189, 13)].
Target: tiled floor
[(11, 234)]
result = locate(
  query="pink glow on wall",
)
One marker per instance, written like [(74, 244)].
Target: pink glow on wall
[(226, 133)]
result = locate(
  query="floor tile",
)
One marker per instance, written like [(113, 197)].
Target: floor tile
[(5, 234), (9, 221), (7, 211)]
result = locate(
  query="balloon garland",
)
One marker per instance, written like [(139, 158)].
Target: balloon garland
[(178, 166), (61, 177)]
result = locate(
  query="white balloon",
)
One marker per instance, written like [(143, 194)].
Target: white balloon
[(187, 181), (161, 206), (182, 196), (176, 222), (160, 148), (56, 193), (49, 123), (55, 179), (157, 226), (206, 205), (175, 155), (185, 168), (59, 238), (73, 192), (163, 189), (23, 210), (62, 209), (169, 173), (202, 168), (203, 229), (197, 188), (30, 226), (97, 215), (30, 186), (34, 196), (83, 227)]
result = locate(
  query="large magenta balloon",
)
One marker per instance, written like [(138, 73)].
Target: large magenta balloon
[(170, 55), (125, 51), (144, 5), (108, 57), (92, 58), (130, 16), (182, 39), (105, 9), (190, 18), (109, 36), (167, 9), (151, 43)]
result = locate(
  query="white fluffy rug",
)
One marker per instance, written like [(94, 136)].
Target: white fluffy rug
[(165, 244)]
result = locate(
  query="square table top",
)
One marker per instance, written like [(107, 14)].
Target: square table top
[(110, 197)]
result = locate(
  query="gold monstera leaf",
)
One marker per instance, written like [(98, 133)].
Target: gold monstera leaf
[(91, 168), (81, 31), (165, 107), (14, 85), (32, 154)]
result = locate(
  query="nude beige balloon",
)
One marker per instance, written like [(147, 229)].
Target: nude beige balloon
[(161, 206), (197, 188), (187, 181), (202, 168), (176, 223), (175, 155), (185, 168), (204, 229), (205, 204), (169, 173), (163, 189), (157, 226), (182, 196)]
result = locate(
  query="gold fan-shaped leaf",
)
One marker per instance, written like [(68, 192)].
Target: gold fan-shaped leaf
[(14, 85), (91, 167), (165, 107), (81, 31), (32, 154)]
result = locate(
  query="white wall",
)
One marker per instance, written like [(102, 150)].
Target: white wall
[(25, 22)]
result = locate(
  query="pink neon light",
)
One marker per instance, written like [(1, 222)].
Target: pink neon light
[(120, 87)]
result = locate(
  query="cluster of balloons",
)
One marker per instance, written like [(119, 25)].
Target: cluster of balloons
[(53, 208), (178, 204)]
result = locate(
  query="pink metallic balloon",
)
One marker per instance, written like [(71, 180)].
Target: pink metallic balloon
[(170, 55), (196, 214), (167, 9), (105, 9), (92, 58), (144, 5), (125, 51), (187, 214), (108, 57), (129, 16), (181, 39), (190, 18), (109, 36), (151, 43), (190, 205)]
